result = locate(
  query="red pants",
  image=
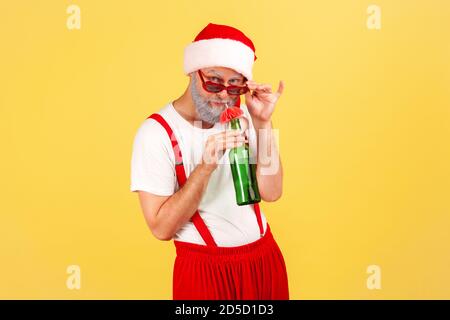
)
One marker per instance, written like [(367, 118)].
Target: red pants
[(255, 271)]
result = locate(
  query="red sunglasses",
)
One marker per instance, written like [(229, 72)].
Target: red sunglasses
[(217, 87)]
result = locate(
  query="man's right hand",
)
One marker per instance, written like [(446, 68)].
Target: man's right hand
[(216, 144), (165, 215)]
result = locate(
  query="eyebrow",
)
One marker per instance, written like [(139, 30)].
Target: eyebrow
[(219, 75)]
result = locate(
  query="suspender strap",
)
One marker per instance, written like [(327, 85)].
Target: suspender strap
[(181, 178), (258, 218)]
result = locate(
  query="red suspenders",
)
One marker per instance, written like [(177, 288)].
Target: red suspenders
[(181, 177)]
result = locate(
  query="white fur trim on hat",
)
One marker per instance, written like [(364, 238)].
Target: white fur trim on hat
[(221, 53)]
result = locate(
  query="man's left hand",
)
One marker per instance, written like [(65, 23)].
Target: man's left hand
[(261, 101)]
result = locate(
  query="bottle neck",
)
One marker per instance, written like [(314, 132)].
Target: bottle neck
[(235, 124)]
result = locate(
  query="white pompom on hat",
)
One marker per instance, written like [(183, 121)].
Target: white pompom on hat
[(222, 46)]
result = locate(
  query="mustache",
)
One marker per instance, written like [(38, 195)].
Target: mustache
[(230, 102)]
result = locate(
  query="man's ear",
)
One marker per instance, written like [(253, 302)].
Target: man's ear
[(192, 76), (191, 79)]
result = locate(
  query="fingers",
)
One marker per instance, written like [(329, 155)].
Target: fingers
[(263, 88), (229, 139), (224, 134), (231, 133), (226, 140), (228, 134), (231, 142), (216, 145), (280, 88)]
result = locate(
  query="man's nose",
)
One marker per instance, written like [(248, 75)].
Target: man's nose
[(223, 94)]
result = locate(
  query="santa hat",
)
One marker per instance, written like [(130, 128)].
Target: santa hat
[(222, 46)]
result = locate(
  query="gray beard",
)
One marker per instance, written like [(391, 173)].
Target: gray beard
[(205, 110)]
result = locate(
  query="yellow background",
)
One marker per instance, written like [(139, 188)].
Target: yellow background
[(364, 136)]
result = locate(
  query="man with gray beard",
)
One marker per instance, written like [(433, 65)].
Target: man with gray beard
[(224, 251), (202, 105)]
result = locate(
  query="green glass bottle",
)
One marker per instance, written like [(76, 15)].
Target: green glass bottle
[(244, 172)]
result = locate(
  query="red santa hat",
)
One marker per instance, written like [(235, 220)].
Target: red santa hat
[(222, 46)]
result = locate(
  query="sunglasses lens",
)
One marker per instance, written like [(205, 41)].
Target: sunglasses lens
[(237, 90), (213, 87)]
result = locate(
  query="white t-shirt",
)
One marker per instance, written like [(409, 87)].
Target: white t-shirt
[(153, 170)]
